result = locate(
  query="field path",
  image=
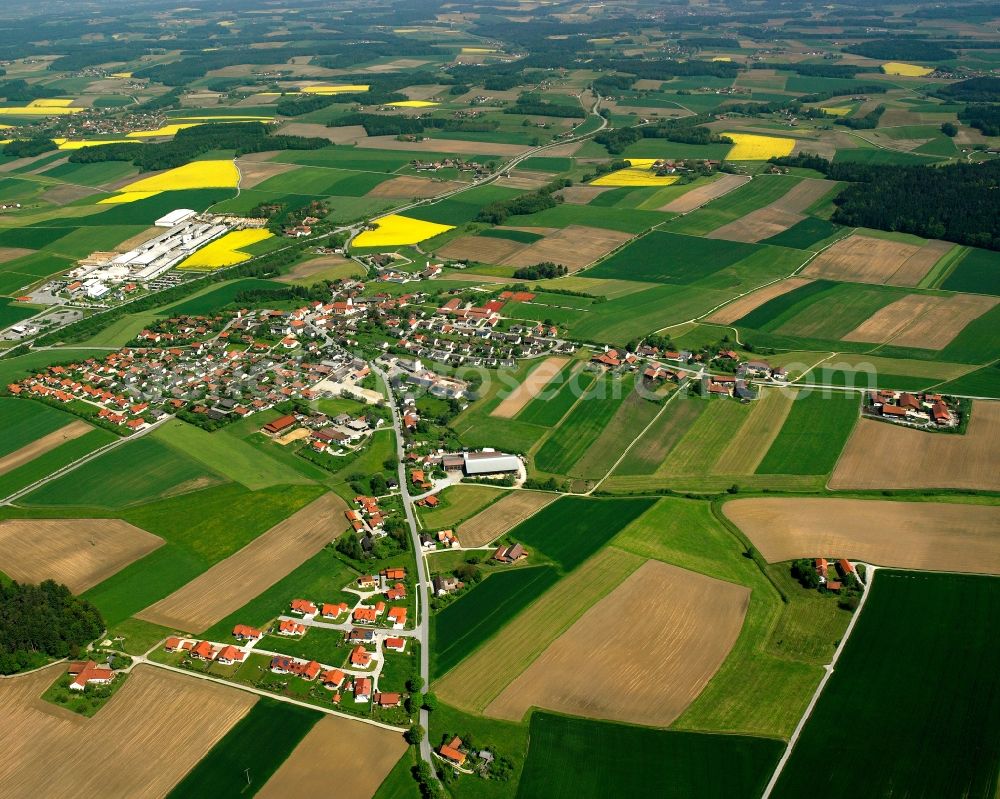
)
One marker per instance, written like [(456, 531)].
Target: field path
[(827, 673)]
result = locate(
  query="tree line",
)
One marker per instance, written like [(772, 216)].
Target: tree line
[(39, 621)]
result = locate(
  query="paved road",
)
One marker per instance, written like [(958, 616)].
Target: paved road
[(422, 630)]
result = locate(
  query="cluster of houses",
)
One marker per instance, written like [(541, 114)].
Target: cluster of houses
[(912, 409), (442, 539), (478, 170), (406, 372), (369, 518), (206, 651), (324, 433), (138, 385)]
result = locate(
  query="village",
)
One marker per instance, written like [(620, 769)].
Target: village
[(928, 411)]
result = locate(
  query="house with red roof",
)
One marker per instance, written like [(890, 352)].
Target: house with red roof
[(290, 627), (397, 616), (332, 679), (229, 655), (451, 751), (89, 673), (360, 657), (303, 606), (395, 644), (362, 689), (242, 632), (203, 650)]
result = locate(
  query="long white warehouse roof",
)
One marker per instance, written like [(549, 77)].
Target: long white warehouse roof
[(174, 217)]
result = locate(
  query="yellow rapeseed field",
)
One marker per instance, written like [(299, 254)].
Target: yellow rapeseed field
[(638, 173), (121, 74), (351, 89), (907, 70), (166, 130), (394, 230), (38, 111), (76, 144), (752, 147), (51, 103), (838, 110), (196, 175), (413, 104), (722, 58), (127, 197), (479, 50), (224, 251)]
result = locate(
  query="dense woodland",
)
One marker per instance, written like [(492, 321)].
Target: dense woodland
[(188, 144), (38, 621), (958, 202)]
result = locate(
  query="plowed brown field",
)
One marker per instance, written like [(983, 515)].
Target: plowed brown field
[(681, 627), (489, 524)]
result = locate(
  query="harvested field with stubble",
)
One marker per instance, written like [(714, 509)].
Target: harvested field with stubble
[(575, 247), (78, 552), (42, 445), (686, 623), (354, 757), (866, 259), (581, 195), (935, 536), (502, 516), (778, 216), (483, 249), (253, 173), (484, 674), (922, 321), (147, 737), (703, 194), (884, 455), (406, 187), (345, 134), (744, 305), (748, 447), (231, 583), (532, 386)]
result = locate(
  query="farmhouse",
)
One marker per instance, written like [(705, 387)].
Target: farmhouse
[(280, 425), (451, 751), (88, 673), (510, 554), (362, 689)]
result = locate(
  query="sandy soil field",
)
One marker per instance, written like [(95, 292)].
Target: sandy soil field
[(409, 186), (354, 757), (458, 146), (253, 173), (10, 253), (748, 447), (757, 225), (138, 238), (797, 199), (78, 552), (40, 446), (866, 259), (890, 321), (935, 328), (482, 676), (500, 517), (139, 745), (484, 249), (530, 388), (703, 194), (744, 305), (575, 247), (63, 193), (231, 583), (909, 535), (525, 179), (884, 455), (581, 195), (682, 626), (562, 150), (914, 268)]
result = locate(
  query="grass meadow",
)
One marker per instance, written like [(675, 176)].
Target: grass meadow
[(813, 435)]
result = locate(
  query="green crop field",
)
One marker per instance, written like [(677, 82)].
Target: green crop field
[(200, 529), (834, 313), (579, 758), (583, 426), (471, 619), (11, 314), (219, 297), (661, 257), (458, 503), (813, 435), (890, 157), (657, 442), (138, 471), (523, 236), (462, 208), (53, 460), (977, 272), (773, 312), (227, 455), (627, 220), (919, 679), (756, 194), (595, 522), (983, 382), (803, 235), (260, 742), (322, 577), (547, 411), (25, 421)]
